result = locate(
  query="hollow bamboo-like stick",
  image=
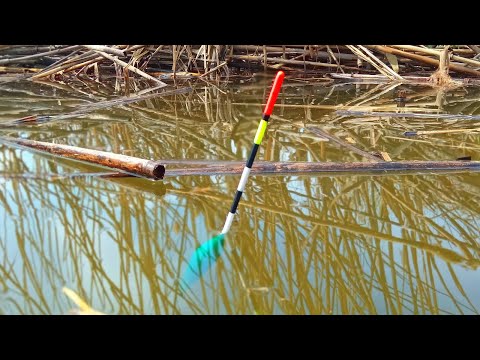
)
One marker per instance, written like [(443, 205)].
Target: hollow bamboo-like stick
[(132, 165)]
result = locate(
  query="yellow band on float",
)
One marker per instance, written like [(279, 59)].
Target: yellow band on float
[(260, 132)]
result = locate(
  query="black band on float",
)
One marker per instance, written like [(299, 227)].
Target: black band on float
[(238, 195), (253, 153)]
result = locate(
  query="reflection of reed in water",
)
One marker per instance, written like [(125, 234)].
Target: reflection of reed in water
[(358, 244), (305, 245)]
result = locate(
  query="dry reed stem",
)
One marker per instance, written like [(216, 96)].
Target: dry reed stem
[(130, 67)]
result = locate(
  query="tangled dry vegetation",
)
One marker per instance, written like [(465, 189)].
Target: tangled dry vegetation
[(159, 64)]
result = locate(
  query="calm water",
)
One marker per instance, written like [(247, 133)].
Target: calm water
[(310, 244)]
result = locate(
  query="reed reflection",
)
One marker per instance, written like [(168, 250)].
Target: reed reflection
[(357, 244)]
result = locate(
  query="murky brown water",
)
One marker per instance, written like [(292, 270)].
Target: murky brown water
[(310, 244)]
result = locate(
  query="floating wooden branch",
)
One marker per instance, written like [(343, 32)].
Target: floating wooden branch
[(209, 168), (329, 167)]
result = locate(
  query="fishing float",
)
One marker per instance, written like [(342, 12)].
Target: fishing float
[(211, 249)]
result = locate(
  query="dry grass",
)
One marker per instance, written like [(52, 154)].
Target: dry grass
[(220, 63)]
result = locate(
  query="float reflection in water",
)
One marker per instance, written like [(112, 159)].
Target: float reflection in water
[(204, 257)]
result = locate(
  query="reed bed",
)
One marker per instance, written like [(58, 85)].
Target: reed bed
[(162, 64)]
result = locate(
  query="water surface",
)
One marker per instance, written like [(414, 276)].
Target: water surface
[(309, 244)]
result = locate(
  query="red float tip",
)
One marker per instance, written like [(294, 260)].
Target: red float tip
[(277, 84)]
